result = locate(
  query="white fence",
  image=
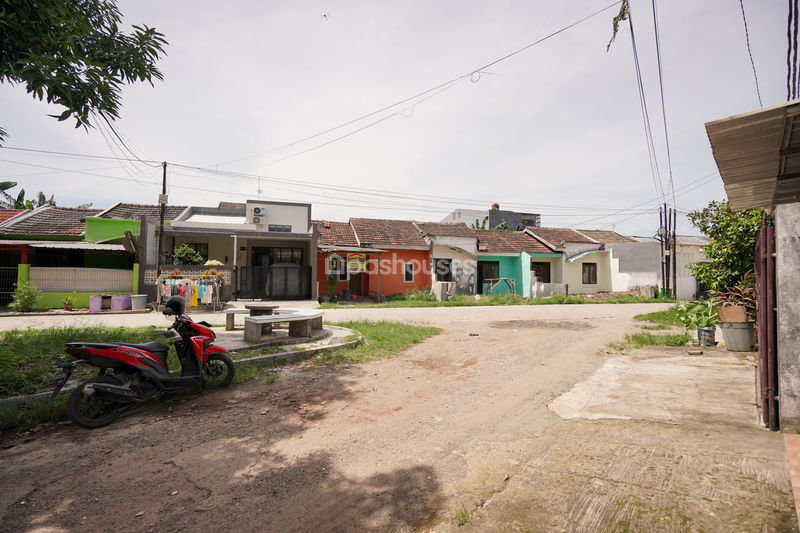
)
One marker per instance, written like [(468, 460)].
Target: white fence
[(93, 280)]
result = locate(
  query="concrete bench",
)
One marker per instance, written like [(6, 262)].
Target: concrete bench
[(301, 322), (230, 315)]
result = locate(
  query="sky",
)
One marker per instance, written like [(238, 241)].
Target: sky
[(555, 129)]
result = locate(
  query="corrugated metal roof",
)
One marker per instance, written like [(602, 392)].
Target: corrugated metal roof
[(758, 155), (64, 245)]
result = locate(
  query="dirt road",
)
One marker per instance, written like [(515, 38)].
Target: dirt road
[(457, 422)]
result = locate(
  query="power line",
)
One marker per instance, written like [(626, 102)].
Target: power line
[(648, 132), (443, 86), (697, 183), (750, 53), (663, 107)]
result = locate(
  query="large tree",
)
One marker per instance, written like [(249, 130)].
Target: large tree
[(73, 54), (733, 242)]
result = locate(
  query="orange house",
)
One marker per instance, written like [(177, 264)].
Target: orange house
[(394, 257)]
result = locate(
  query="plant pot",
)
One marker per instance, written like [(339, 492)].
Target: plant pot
[(738, 336), (68, 307), (705, 336), (324, 298), (732, 313)]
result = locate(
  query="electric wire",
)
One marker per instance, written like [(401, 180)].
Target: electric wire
[(663, 106), (750, 53), (426, 92), (648, 132)]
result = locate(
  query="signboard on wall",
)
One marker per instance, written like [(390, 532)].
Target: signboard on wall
[(356, 263)]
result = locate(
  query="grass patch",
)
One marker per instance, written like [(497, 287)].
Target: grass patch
[(34, 352), (655, 327), (382, 339), (266, 350), (462, 516), (640, 340), (668, 317), (461, 300), (35, 412)]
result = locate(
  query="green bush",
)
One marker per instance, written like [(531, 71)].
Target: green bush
[(186, 255), (25, 298), (697, 314)]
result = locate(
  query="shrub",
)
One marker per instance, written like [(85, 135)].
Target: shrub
[(186, 255), (25, 298), (697, 314)]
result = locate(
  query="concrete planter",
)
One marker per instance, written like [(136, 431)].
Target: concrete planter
[(738, 336)]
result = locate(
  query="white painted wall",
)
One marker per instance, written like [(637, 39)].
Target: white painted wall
[(573, 274), (686, 282), (293, 215)]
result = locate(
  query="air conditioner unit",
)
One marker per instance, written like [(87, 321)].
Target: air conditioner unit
[(256, 220), (256, 210)]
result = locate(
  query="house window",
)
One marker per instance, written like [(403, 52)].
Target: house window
[(279, 227), (199, 247), (408, 272), (338, 266), (542, 271), (590, 273), (443, 269), (286, 255)]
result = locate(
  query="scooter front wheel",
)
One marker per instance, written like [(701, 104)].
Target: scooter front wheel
[(217, 371), (91, 411)]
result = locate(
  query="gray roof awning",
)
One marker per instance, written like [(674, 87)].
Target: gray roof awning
[(758, 155)]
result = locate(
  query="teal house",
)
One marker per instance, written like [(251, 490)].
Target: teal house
[(506, 260)]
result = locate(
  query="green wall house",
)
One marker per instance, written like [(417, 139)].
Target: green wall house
[(509, 254)]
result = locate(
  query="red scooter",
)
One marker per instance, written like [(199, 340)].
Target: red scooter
[(140, 371)]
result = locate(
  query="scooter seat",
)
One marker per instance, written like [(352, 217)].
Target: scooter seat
[(154, 347)]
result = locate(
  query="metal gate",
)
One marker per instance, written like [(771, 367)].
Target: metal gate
[(276, 282), (8, 283), (766, 320)]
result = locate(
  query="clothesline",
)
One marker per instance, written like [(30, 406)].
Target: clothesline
[(195, 289)]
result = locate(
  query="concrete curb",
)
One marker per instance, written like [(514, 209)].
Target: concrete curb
[(289, 356), (294, 356)]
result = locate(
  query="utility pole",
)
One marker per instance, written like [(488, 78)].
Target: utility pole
[(674, 253), (662, 233), (162, 201)]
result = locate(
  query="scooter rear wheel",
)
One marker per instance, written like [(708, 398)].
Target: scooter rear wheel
[(90, 411), (217, 371)]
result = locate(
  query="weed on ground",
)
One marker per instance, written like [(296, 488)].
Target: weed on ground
[(640, 340), (382, 339), (667, 317)]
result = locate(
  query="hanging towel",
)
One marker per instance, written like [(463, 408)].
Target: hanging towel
[(208, 294)]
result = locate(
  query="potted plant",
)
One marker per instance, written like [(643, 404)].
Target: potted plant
[(702, 315), (69, 302), (736, 307)]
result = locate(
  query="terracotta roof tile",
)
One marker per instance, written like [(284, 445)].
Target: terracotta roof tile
[(51, 220), (556, 236), (335, 233), (135, 211), (5, 214), (506, 241), (387, 233), (605, 236), (446, 229)]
